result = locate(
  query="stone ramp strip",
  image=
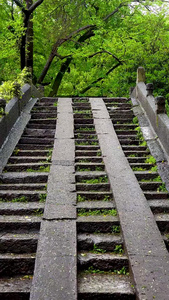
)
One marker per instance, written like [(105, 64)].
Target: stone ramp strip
[(23, 184), (55, 267), (101, 254), (148, 257)]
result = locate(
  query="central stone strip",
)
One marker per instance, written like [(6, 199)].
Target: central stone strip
[(55, 268), (149, 259)]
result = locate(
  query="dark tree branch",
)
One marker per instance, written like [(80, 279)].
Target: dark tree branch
[(17, 2), (104, 51), (99, 79), (34, 6), (115, 11)]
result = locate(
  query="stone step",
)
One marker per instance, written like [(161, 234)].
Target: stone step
[(21, 223), (43, 121), (105, 196), (44, 115), (150, 186), (136, 154), (103, 262), (129, 141), (101, 241), (42, 108), (89, 204), (45, 133), (25, 159), (115, 99), (19, 208), (36, 140), (27, 187), (24, 177), (83, 121), (31, 153), (134, 160), (135, 148), (145, 175), (163, 222), (126, 132), (159, 206), (37, 147), (15, 264), (104, 287), (28, 167), (92, 187), (41, 126), (156, 195), (87, 147), (142, 166), (18, 243), (88, 153), (27, 195), (15, 288), (89, 166), (93, 159), (94, 224)]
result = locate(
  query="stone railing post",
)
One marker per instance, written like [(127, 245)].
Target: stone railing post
[(141, 77), (160, 103), (149, 89), (2, 105)]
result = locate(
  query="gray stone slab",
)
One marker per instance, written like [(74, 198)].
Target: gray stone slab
[(55, 267), (65, 126), (148, 133), (64, 150), (15, 134), (59, 212), (64, 105), (140, 231), (156, 150)]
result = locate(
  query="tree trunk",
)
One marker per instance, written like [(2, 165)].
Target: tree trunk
[(59, 77), (29, 40)]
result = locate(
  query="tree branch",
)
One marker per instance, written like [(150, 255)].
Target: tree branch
[(17, 2), (104, 51), (34, 6), (115, 11), (99, 79)]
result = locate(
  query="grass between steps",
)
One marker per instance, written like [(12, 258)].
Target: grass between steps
[(98, 212)]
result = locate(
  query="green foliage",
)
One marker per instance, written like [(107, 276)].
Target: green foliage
[(11, 88)]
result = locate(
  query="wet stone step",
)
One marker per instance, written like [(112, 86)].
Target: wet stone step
[(105, 196), (115, 99), (89, 167), (19, 208), (146, 175), (95, 224), (83, 121), (16, 288), (105, 262), (21, 178), (28, 167), (156, 195), (80, 153), (22, 195), (104, 287), (134, 160), (38, 147), (21, 223), (20, 160), (40, 132), (27, 187), (126, 132), (162, 222), (18, 243), (41, 126), (129, 148), (90, 187), (31, 153), (103, 241), (150, 186), (36, 140), (87, 148), (87, 159), (159, 206), (16, 264), (95, 205), (42, 122), (43, 115)]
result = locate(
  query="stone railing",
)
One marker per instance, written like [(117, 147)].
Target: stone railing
[(12, 111), (153, 107)]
